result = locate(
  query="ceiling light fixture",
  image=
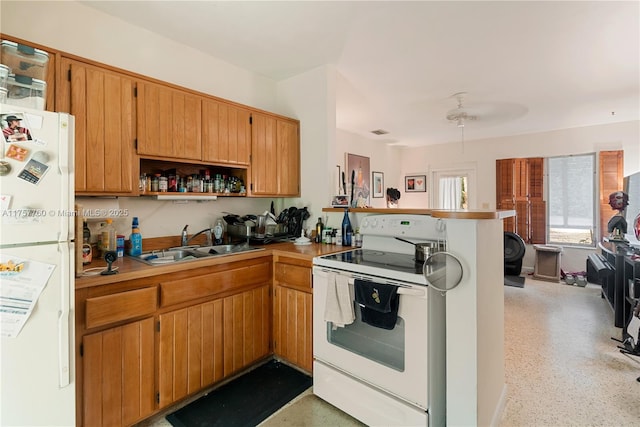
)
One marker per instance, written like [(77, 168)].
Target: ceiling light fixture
[(459, 114)]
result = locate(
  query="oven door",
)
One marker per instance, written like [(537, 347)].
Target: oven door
[(394, 361)]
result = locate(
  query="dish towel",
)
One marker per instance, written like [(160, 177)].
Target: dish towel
[(378, 303), (339, 304)]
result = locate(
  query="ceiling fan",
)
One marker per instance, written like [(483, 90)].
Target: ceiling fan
[(488, 113), (460, 115)]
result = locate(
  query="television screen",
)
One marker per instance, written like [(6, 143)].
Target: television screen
[(632, 188)]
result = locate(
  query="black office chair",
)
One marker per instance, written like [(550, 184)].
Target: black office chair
[(514, 249)]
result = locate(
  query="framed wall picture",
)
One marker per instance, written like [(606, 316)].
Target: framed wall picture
[(357, 175), (415, 183), (377, 178)]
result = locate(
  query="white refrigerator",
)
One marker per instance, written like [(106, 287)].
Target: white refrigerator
[(37, 268)]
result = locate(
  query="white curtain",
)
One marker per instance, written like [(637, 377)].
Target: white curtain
[(450, 191)]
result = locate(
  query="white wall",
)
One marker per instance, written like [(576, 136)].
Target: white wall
[(310, 97), (382, 158), (620, 136)]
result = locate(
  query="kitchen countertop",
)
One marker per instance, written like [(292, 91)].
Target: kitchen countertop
[(129, 269), (436, 213)]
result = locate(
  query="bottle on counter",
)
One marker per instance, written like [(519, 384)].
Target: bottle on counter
[(120, 245), (218, 231), (135, 239), (86, 244), (357, 238), (347, 231), (319, 228), (108, 235), (326, 235)]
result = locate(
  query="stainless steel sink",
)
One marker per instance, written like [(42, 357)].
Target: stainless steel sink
[(190, 253), (169, 256), (226, 249)]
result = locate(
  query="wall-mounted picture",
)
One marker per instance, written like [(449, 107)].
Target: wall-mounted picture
[(378, 184), (415, 183), (358, 181)]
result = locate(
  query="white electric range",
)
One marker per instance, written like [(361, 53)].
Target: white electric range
[(378, 375)]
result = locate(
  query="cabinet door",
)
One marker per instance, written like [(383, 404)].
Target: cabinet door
[(169, 122), (292, 326), (246, 328), (292, 312), (118, 380), (191, 348), (103, 106), (288, 158), (226, 133), (275, 156), (264, 156)]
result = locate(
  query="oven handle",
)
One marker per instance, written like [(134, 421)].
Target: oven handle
[(402, 289)]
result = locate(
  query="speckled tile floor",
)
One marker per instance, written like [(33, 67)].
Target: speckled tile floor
[(561, 366)]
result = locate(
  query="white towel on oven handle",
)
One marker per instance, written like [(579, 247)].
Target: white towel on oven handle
[(339, 303)]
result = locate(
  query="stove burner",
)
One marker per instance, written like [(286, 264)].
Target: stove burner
[(379, 259), (374, 253)]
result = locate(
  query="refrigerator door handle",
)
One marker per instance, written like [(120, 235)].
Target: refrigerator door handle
[(64, 361), (64, 165)]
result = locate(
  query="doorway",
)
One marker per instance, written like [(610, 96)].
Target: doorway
[(453, 188)]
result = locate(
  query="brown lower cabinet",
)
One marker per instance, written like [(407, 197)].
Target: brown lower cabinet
[(118, 374), (293, 311), (203, 344), (145, 344)]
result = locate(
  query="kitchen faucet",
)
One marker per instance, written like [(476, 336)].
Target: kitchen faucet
[(184, 241)]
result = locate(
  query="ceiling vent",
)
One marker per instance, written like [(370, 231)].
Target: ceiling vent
[(379, 132)]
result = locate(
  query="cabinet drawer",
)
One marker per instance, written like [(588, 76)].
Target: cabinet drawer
[(121, 306), (293, 275), (177, 291)]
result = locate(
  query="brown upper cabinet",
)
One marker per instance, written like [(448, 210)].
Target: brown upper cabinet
[(123, 119), (169, 122), (275, 156), (102, 102), (226, 133)]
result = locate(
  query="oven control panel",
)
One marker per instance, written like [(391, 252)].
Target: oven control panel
[(416, 226)]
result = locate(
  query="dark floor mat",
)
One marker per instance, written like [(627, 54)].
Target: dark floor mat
[(245, 401), (516, 281)]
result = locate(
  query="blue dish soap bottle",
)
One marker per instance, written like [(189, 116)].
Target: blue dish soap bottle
[(135, 238), (347, 231)]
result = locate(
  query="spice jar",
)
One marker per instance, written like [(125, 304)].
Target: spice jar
[(163, 184), (155, 182)]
